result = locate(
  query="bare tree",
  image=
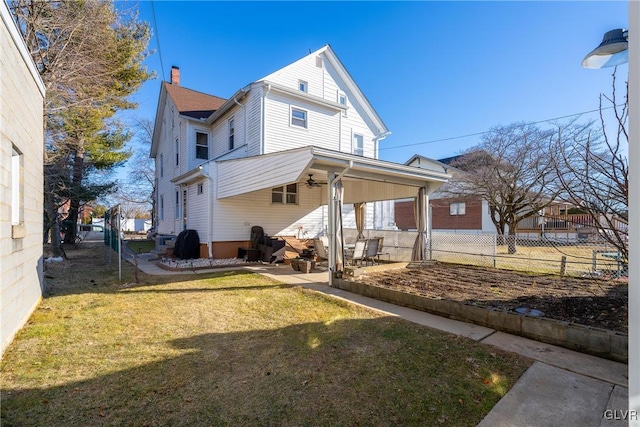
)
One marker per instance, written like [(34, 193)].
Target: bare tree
[(90, 57), (593, 169), (512, 170), (139, 189)]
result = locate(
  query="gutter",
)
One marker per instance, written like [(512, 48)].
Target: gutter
[(376, 141)]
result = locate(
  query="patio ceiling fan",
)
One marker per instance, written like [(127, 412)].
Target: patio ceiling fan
[(312, 182)]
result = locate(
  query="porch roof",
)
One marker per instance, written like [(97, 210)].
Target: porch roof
[(364, 179)]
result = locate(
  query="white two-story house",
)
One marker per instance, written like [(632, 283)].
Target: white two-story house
[(272, 155)]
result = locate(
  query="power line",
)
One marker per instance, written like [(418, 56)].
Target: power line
[(155, 26), (488, 131)]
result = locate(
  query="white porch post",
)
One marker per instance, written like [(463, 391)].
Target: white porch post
[(331, 229)]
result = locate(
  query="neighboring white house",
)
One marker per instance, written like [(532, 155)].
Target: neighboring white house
[(21, 181), (272, 155)]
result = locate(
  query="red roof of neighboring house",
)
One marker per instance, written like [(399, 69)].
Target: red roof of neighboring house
[(192, 103)]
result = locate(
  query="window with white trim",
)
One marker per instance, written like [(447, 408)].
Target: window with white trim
[(177, 208), (202, 145), (17, 187), (161, 213), (342, 100), (232, 132), (200, 188), (303, 86), (358, 144), (457, 208), (298, 117), (161, 165), (286, 194), (177, 148)]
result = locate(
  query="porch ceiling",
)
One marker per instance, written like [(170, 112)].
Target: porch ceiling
[(364, 179)]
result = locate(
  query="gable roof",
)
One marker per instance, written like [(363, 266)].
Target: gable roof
[(192, 103), (329, 55)]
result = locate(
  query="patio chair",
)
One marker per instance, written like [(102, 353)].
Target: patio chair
[(372, 251), (359, 252), (380, 246)]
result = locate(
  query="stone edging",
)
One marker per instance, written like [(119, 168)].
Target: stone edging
[(598, 342)]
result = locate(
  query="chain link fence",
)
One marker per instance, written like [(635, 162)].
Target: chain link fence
[(534, 255)]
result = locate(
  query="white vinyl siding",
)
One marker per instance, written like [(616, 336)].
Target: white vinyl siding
[(322, 130)]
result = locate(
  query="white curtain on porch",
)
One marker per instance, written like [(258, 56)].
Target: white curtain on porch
[(339, 234), (421, 209), (359, 209)]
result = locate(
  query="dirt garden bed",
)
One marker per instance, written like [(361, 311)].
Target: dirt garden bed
[(591, 302)]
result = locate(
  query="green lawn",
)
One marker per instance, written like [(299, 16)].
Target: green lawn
[(234, 349)]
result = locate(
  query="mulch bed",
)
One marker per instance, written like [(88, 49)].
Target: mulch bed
[(592, 302)]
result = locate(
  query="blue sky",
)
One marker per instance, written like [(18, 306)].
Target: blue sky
[(433, 71)]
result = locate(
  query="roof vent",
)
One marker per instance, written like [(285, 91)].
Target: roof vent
[(319, 61)]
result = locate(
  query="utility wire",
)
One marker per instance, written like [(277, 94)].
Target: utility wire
[(155, 25), (488, 131)]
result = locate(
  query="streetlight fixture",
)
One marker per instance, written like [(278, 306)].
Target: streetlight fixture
[(614, 50)]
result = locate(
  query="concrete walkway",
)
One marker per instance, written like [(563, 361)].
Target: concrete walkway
[(561, 388)]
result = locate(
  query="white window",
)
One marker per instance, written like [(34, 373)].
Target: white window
[(200, 188), (358, 144), (302, 86), (177, 208), (457, 208), (232, 133), (161, 213), (287, 195), (298, 117), (202, 145), (184, 209), (342, 100), (17, 187), (161, 165), (177, 148)]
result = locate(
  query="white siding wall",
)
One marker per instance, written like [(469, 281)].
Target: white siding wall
[(254, 119), (322, 125), (324, 83), (172, 127), (197, 208), (234, 217), (21, 126)]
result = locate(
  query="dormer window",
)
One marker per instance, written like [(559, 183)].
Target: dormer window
[(302, 86)]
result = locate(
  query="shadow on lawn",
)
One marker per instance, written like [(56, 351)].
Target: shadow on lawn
[(380, 371)]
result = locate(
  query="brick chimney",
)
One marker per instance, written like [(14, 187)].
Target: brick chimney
[(175, 75)]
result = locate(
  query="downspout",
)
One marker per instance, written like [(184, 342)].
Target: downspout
[(209, 223), (262, 127), (332, 221)]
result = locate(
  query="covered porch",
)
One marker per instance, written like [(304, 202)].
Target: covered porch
[(343, 179)]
